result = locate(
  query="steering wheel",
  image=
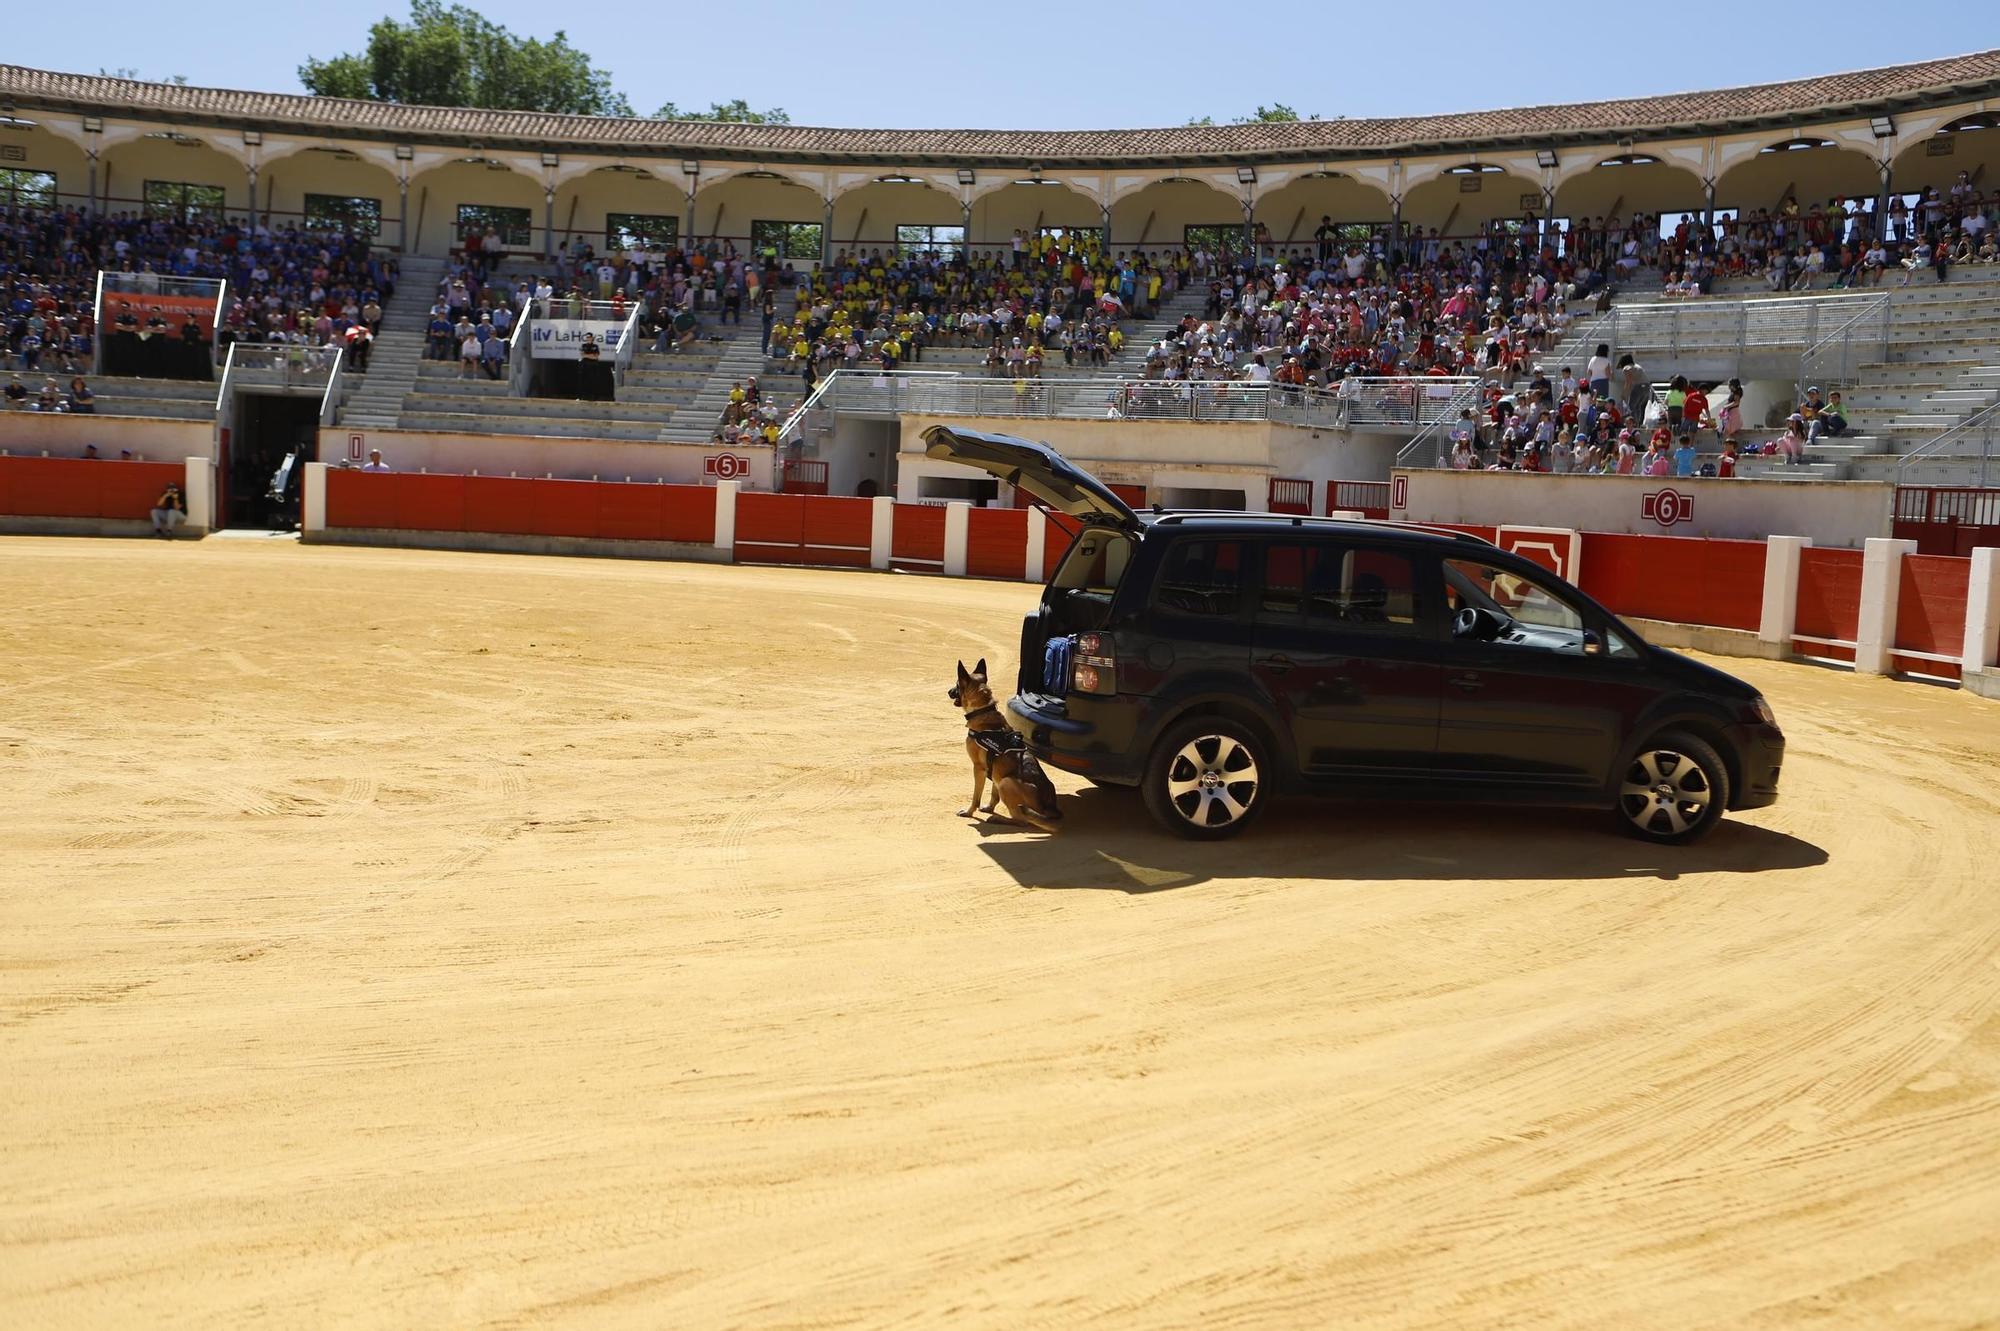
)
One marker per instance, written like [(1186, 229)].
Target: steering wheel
[(1465, 624)]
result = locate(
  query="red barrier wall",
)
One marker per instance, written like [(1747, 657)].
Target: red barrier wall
[(1930, 611), (430, 503), (498, 504), (770, 528), (688, 512), (1829, 598), (996, 543), (83, 488), (1686, 580), (838, 530), (520, 506), (917, 538), (1675, 579)]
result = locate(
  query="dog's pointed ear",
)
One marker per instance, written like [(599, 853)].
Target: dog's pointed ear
[(979, 671), (961, 672)]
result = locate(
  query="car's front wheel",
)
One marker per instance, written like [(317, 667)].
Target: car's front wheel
[(1675, 789), (1208, 778)]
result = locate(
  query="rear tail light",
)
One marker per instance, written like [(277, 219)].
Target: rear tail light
[(1094, 669)]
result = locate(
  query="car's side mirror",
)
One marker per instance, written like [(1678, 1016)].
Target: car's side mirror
[(1593, 643)]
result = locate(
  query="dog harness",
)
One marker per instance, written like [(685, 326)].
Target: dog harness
[(998, 742)]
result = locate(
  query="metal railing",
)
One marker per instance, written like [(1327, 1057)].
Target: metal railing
[(287, 364), (564, 307), (628, 342), (1388, 404), (1836, 358), (1977, 437), (1726, 327), (1429, 440)]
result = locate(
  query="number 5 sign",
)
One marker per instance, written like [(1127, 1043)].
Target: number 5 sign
[(725, 466)]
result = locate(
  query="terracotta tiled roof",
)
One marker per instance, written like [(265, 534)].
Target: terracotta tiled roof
[(1926, 82)]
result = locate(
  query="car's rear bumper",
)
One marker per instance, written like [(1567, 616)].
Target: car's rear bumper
[(1092, 737), (1760, 756)]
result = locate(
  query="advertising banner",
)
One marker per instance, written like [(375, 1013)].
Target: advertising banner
[(562, 339), (175, 309)]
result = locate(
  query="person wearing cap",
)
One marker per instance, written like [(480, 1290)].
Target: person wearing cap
[(1809, 412), (169, 512), (1628, 455)]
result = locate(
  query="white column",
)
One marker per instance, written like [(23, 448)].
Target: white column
[(725, 516), (1780, 616), (313, 509), (881, 530), (198, 487), (1881, 579), (1038, 545), (1982, 611), (957, 531)]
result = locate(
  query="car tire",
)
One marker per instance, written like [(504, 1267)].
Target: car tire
[(1673, 790), (1208, 778)]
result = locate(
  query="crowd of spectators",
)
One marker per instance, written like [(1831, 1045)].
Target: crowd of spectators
[(1834, 245), (1613, 421), (472, 314), (286, 284), (1484, 306), (77, 399)]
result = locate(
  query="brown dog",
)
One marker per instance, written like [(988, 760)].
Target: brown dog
[(999, 755)]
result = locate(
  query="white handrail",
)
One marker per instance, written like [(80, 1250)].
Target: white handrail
[(628, 342), (329, 397), (520, 368), (222, 385)]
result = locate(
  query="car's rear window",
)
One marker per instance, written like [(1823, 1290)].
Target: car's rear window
[(1201, 577), (1340, 586)]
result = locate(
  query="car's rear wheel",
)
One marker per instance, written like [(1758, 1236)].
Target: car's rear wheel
[(1207, 778), (1674, 790)]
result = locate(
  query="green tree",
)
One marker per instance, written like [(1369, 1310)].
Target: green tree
[(449, 55), (127, 72), (1280, 112), (736, 112)]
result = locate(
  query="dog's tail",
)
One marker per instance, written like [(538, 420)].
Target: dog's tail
[(1043, 821)]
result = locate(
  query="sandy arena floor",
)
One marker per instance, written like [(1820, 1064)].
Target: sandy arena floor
[(435, 940)]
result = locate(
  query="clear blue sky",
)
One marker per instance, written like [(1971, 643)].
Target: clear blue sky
[(954, 64)]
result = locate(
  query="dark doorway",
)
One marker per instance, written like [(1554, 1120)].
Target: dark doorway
[(261, 489)]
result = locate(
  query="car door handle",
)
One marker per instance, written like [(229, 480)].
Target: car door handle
[(1278, 664), (1468, 683)]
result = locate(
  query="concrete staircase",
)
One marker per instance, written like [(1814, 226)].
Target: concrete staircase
[(375, 400), (1130, 362), (693, 419)]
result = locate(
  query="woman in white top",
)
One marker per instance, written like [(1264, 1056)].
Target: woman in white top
[(1599, 371)]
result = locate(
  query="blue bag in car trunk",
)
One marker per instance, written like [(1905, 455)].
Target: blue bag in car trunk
[(1055, 665)]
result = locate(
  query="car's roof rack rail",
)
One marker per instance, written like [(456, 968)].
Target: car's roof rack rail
[(1172, 516)]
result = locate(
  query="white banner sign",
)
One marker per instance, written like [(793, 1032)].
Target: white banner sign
[(562, 339)]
